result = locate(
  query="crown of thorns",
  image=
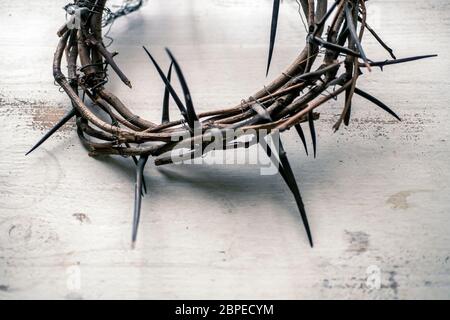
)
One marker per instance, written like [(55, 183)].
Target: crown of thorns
[(286, 102)]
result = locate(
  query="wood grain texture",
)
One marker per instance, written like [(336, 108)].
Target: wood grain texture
[(377, 195)]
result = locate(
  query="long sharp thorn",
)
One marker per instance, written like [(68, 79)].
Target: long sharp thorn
[(403, 60), (313, 75), (377, 102), (301, 134), (349, 110), (286, 173), (55, 128), (144, 184), (110, 59), (136, 161), (335, 47), (138, 197), (322, 21), (284, 168), (165, 113), (312, 129), (271, 156), (298, 198), (192, 116), (342, 38), (348, 115), (275, 161), (168, 86), (351, 27), (273, 31)]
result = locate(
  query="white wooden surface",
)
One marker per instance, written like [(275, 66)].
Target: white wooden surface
[(378, 194)]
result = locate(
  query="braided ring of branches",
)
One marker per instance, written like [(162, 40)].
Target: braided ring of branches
[(286, 102)]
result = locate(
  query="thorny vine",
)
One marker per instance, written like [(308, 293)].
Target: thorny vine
[(288, 101)]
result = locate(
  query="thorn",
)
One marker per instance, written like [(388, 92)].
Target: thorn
[(166, 101), (284, 168), (335, 47), (110, 59), (192, 116), (349, 110), (273, 31), (174, 95), (351, 27), (291, 178), (313, 131), (377, 102), (144, 184), (321, 23), (55, 128), (138, 196), (286, 173), (398, 61), (302, 136), (347, 116)]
